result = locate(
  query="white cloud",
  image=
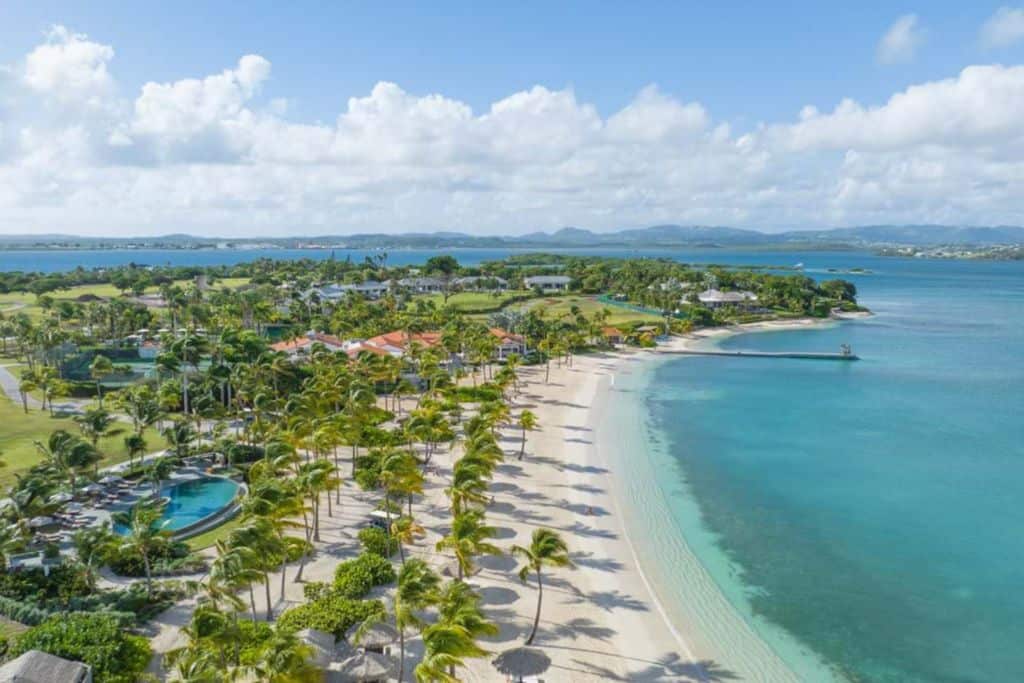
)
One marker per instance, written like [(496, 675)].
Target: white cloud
[(1003, 28), (901, 40), (69, 66), (214, 155)]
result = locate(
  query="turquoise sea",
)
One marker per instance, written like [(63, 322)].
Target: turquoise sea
[(870, 510)]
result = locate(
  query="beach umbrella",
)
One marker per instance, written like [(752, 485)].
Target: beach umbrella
[(111, 479), (521, 662), (74, 507), (93, 488), (322, 644), (362, 666), (61, 497), (374, 637), (40, 522)]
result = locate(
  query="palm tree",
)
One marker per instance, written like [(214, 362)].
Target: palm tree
[(547, 549), (417, 590), (158, 470), (99, 368), (27, 385), (96, 423), (67, 454), (444, 648), (458, 606), (468, 538), (144, 534), (262, 538), (180, 436), (136, 447), (405, 530), (527, 422), (236, 568), (285, 658)]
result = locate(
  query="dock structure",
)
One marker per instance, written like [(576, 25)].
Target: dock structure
[(806, 355)]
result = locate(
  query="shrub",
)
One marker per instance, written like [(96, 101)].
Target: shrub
[(355, 578), (35, 586), (167, 559), (239, 453), (377, 542), (23, 612), (95, 639), (333, 613)]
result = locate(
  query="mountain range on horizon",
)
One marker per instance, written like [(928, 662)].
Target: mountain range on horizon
[(569, 237)]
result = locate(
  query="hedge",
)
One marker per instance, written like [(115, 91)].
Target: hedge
[(377, 541), (355, 578), (98, 640), (333, 613)]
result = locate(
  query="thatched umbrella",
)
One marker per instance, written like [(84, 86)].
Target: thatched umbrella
[(61, 497), (322, 644), (374, 637), (361, 667), (111, 479), (521, 662), (93, 489)]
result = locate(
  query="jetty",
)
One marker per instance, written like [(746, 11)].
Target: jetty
[(844, 354)]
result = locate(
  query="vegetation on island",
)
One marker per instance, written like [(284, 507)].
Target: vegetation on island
[(276, 375)]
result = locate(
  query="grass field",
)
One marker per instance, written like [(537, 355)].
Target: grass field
[(475, 302), (208, 538), (557, 306), (12, 302), (20, 431)]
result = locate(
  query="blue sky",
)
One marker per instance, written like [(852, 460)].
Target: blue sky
[(744, 65), (747, 62)]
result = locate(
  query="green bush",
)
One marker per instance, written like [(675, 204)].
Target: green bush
[(63, 583), (377, 542), (22, 612), (168, 558), (354, 578), (95, 639), (333, 613)]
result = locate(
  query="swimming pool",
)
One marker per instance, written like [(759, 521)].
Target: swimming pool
[(191, 501)]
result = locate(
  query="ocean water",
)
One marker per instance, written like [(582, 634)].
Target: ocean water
[(868, 514)]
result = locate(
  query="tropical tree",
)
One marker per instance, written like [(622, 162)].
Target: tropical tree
[(67, 454), (444, 648), (417, 590), (405, 530), (144, 534), (527, 422), (547, 549), (100, 368), (468, 538)]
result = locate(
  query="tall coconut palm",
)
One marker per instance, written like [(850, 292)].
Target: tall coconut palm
[(547, 549), (100, 368), (285, 658), (67, 454), (417, 590), (405, 530), (527, 422), (445, 646), (261, 537), (468, 538), (144, 533)]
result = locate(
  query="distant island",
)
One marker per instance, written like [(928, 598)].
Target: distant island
[(950, 241)]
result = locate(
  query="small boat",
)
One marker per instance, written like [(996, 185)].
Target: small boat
[(799, 266)]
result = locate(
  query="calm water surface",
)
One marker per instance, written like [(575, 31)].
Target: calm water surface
[(873, 509)]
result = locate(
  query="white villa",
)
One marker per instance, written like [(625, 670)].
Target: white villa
[(482, 283), (713, 298), (300, 346), (422, 285), (548, 283)]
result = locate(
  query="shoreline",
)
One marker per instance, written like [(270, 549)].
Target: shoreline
[(608, 619)]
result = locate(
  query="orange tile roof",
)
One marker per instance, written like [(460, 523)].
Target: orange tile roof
[(400, 339), (611, 331), (304, 341), (502, 335)]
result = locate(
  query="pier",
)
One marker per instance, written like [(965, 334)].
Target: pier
[(844, 355)]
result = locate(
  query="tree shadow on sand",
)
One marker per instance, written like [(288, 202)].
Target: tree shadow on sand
[(604, 564), (671, 668)]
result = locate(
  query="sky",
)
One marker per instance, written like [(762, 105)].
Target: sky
[(272, 118)]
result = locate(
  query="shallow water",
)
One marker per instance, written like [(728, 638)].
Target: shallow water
[(870, 509)]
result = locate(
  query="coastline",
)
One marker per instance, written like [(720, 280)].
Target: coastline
[(611, 618)]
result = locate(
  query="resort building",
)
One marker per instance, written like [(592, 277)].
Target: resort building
[(713, 298), (370, 289), (508, 344), (300, 346), (613, 335), (548, 283), (395, 343), (481, 283), (36, 666), (422, 285)]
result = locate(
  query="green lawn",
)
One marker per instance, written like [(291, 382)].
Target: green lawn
[(556, 306), (13, 302), (208, 538), (476, 302), (9, 628), (20, 431)]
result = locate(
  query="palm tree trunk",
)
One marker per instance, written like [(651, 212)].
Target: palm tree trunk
[(401, 654), (149, 573), (252, 601), (536, 618), (266, 585)]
